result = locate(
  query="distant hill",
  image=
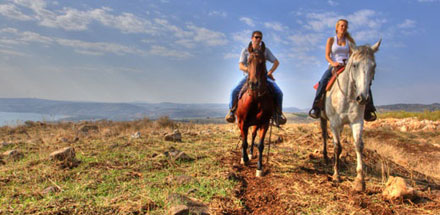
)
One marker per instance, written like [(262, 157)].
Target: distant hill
[(111, 111), (409, 107), (136, 110)]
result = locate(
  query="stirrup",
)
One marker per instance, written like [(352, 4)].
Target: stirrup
[(314, 115), (230, 117)]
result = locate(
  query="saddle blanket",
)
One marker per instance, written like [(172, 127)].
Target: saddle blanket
[(332, 79)]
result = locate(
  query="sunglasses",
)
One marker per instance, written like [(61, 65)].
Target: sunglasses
[(257, 37)]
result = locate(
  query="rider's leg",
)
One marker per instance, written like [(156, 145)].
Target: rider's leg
[(279, 116), (230, 117), (369, 114), (314, 112)]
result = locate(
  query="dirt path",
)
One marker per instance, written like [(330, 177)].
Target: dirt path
[(297, 183)]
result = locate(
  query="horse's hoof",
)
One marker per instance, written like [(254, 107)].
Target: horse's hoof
[(250, 156), (243, 162), (359, 185), (259, 173), (336, 178)]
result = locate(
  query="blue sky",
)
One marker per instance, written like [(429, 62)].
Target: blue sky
[(187, 51)]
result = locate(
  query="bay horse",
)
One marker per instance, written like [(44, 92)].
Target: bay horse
[(345, 104), (256, 106)]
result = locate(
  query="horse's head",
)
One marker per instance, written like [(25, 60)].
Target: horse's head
[(361, 67), (256, 67)]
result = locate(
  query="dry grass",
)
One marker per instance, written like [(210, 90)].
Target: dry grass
[(119, 174)]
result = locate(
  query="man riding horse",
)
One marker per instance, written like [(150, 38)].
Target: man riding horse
[(257, 37)]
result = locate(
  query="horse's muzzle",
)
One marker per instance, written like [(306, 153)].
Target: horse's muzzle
[(361, 99)]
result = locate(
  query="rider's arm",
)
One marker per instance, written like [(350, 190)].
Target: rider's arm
[(274, 67), (243, 67), (328, 50)]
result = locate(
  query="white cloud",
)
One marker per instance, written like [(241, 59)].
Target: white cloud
[(71, 19), (365, 19), (218, 13), (244, 37), (127, 22), (12, 52), (187, 43), (332, 3), (99, 47), (231, 56), (14, 37), (165, 26), (165, 52), (408, 23), (320, 21), (208, 37), (275, 26), (311, 40), (11, 11), (248, 21)]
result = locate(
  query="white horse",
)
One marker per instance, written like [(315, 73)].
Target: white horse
[(345, 104)]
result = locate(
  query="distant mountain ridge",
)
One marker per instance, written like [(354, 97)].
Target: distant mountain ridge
[(135, 110), (409, 107)]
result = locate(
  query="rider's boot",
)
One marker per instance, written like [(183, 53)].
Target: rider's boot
[(280, 119), (316, 109), (230, 117)]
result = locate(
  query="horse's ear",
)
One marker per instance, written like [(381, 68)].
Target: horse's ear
[(250, 49), (352, 46), (375, 47), (263, 47)]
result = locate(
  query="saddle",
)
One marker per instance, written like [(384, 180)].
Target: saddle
[(335, 72)]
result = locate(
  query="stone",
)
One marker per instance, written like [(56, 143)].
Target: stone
[(88, 128), (176, 136), (13, 155), (51, 189), (194, 206), (4, 144), (404, 128), (67, 153), (136, 135), (179, 210), (180, 179), (397, 188), (177, 155)]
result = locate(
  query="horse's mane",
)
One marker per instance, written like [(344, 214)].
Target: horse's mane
[(362, 52)]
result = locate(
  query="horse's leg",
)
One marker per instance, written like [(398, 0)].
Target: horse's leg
[(244, 145), (359, 183), (324, 139), (254, 134), (336, 130), (263, 131)]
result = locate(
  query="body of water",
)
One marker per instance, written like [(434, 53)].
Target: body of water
[(12, 118)]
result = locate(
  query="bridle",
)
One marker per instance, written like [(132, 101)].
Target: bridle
[(258, 88), (350, 79)]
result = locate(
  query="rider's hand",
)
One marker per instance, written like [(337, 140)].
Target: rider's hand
[(335, 64), (269, 74)]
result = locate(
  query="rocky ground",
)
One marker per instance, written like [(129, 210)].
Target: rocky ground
[(164, 167)]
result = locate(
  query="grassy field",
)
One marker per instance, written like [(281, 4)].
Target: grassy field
[(121, 174), (428, 115)]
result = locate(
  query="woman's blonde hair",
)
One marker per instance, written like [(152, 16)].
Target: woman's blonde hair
[(347, 34)]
